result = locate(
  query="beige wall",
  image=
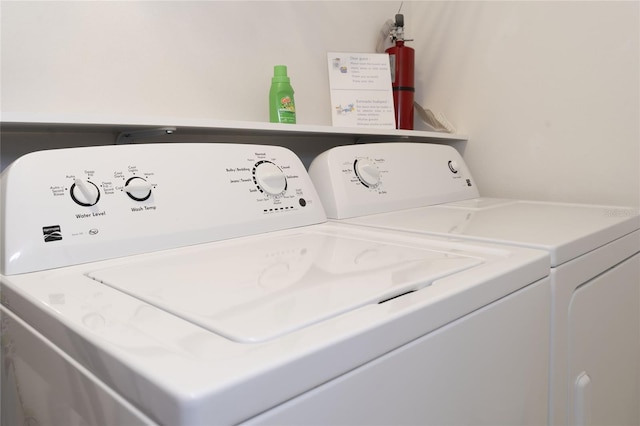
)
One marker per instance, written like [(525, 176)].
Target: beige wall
[(547, 91)]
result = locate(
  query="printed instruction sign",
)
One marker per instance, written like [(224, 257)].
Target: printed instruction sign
[(361, 94)]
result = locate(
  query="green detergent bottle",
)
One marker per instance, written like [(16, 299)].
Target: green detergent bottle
[(282, 108)]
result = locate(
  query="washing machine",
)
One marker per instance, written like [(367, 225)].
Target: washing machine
[(199, 284), (427, 189)]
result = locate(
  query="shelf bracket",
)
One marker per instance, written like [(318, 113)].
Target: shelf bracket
[(134, 135), (383, 138)]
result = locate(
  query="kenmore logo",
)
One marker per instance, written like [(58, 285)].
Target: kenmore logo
[(52, 233)]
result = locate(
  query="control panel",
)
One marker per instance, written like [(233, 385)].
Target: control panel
[(357, 180), (69, 206)]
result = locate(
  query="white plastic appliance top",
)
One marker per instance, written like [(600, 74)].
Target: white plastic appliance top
[(69, 206), (197, 276), (428, 188)]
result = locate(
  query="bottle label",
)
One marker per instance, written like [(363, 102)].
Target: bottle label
[(287, 110)]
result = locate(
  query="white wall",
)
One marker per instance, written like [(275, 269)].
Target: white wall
[(547, 91), (178, 58)]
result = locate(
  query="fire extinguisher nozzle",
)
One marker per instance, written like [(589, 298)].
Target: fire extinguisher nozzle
[(399, 20)]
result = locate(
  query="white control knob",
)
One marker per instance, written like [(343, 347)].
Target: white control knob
[(138, 189), (453, 166), (269, 178), (84, 192), (367, 172)]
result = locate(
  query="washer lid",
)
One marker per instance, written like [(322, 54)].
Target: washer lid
[(258, 288)]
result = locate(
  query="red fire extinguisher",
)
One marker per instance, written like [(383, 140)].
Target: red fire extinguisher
[(402, 60)]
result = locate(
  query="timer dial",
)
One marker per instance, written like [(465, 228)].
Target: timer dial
[(269, 178), (367, 172), (84, 192), (138, 189)]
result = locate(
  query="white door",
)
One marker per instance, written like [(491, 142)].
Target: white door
[(604, 348)]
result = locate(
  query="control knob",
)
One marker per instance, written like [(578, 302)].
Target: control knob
[(367, 172), (84, 192), (269, 178), (138, 188)]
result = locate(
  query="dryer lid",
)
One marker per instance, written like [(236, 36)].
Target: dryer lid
[(566, 231), (257, 288)]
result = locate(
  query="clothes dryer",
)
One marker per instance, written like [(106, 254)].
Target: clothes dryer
[(201, 284), (595, 266)]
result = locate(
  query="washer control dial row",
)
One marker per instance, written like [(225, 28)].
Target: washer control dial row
[(86, 193)]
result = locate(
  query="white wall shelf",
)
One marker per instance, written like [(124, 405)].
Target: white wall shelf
[(23, 133), (51, 122)]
